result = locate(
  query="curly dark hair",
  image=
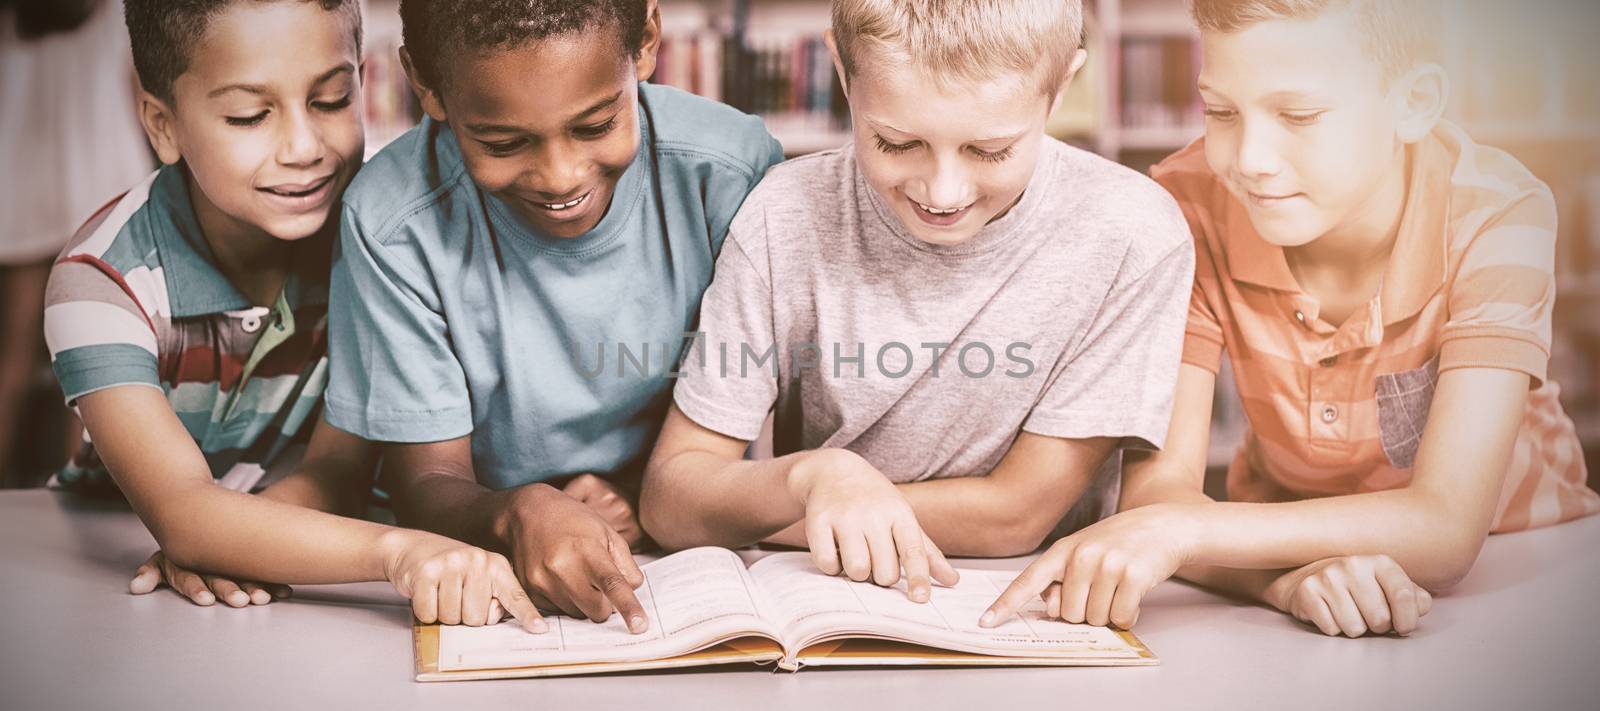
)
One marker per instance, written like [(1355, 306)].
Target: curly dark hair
[(164, 32), (435, 29)]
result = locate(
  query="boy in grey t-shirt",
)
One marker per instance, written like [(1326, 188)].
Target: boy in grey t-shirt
[(956, 319)]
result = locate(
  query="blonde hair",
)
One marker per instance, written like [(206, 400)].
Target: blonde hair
[(1395, 31), (964, 40)]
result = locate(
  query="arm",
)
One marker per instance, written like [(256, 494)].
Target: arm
[(1432, 528), (561, 550), (334, 475), (698, 491), (203, 526), (169, 485), (1012, 510)]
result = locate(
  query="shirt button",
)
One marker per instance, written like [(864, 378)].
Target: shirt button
[(1330, 414), (251, 323)]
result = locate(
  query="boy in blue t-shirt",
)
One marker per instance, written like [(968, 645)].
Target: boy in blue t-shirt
[(517, 275)]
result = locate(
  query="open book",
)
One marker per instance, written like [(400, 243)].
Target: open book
[(707, 608)]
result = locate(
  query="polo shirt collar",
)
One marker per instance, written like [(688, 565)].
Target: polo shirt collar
[(1418, 265), (195, 285)]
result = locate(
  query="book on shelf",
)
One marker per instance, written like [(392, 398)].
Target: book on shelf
[(1157, 85), (785, 76), (707, 607)]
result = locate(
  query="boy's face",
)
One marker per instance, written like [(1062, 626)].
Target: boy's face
[(1300, 125), (549, 127), (266, 117), (947, 160)]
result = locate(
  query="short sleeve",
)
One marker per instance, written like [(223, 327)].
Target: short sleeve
[(1504, 289), (724, 197), (393, 376), (1202, 332), (722, 388), (1120, 379), (98, 335)]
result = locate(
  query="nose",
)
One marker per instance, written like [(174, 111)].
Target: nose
[(560, 172), (1258, 151), (300, 144), (950, 185)]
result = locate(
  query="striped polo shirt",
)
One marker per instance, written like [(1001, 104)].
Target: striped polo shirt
[(1341, 410), (137, 299)]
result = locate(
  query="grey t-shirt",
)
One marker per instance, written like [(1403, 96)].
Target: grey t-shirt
[(1063, 318)]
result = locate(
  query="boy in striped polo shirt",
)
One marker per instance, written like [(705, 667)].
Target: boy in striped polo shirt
[(186, 321), (1383, 288)]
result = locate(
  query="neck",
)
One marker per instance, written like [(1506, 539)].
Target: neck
[(1369, 236), (255, 262)]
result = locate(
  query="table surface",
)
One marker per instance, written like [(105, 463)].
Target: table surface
[(1520, 632)]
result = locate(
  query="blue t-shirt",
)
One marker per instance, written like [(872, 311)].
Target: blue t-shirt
[(450, 316)]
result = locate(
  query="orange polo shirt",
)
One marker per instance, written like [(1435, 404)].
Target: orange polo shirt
[(1340, 410)]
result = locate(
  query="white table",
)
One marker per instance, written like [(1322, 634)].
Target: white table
[(1521, 632)]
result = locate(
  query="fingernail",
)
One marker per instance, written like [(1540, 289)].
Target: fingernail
[(636, 624), (919, 595), (540, 627), (238, 599), (205, 598), (987, 620)]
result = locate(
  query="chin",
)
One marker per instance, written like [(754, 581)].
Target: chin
[(295, 229)]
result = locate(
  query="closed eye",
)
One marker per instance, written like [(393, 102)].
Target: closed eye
[(252, 120), (892, 148)]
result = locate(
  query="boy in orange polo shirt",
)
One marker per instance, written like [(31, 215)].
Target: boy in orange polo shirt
[(1383, 287)]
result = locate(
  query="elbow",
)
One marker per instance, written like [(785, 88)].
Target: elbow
[(1445, 571), (661, 526)]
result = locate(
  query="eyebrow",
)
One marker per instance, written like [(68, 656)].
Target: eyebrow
[(987, 139), (261, 89), (593, 109)]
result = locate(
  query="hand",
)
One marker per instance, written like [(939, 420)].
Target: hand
[(571, 558), (203, 590), (859, 524), (1352, 595), (1100, 574), (453, 583), (611, 504)]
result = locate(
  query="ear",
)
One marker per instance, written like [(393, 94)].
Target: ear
[(431, 103), (1420, 97), (1078, 58), (838, 64), (158, 121), (645, 65)]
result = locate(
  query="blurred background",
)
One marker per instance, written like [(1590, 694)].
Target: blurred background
[(1518, 72)]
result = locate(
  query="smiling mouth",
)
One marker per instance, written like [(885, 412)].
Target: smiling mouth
[(561, 207), (1269, 199), (300, 190)]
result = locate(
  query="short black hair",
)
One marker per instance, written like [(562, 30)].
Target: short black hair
[(434, 29), (164, 32)]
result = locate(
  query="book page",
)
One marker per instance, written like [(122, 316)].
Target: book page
[(811, 607), (694, 599)]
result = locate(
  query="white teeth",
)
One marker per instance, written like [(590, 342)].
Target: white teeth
[(564, 205), (935, 211)]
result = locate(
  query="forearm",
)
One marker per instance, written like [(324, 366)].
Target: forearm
[(982, 517), (210, 528), (1418, 531), (697, 498), (457, 507), (1243, 584), (305, 489)]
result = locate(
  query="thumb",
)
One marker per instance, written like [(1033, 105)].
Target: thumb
[(148, 577)]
